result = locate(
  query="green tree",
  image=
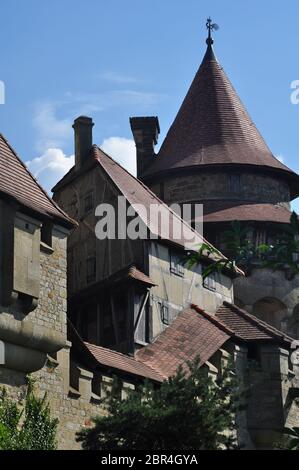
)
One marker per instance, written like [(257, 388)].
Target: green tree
[(188, 411), (28, 427), (283, 254)]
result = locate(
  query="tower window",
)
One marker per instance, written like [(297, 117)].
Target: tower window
[(234, 183)]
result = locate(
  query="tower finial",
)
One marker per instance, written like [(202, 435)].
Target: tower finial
[(211, 27)]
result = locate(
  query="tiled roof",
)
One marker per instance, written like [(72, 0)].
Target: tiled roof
[(227, 211), (213, 127), (247, 327), (137, 275), (116, 360), (191, 334), (139, 195), (17, 183)]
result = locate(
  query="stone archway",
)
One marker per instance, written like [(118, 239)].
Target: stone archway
[(270, 310)]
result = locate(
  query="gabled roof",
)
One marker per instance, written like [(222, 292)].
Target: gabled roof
[(247, 327), (190, 335), (193, 333), (18, 184), (213, 127), (138, 194)]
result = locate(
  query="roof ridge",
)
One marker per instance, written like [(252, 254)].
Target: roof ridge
[(265, 326), (213, 319), (213, 126), (35, 180), (157, 198)]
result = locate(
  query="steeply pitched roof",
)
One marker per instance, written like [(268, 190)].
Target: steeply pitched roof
[(228, 211), (118, 361), (247, 327), (213, 127), (190, 335), (18, 184), (193, 333)]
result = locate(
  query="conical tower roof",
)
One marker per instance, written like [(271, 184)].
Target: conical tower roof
[(213, 127)]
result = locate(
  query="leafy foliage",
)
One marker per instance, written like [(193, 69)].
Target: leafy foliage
[(26, 428), (241, 251), (188, 411)]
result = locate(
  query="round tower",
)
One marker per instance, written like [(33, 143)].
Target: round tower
[(213, 154)]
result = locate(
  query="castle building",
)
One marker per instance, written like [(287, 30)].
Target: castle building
[(77, 308), (214, 155)]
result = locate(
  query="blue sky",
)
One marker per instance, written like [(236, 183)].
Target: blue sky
[(115, 59)]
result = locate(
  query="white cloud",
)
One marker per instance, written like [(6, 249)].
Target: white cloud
[(50, 167), (53, 164), (115, 77), (52, 132), (123, 151)]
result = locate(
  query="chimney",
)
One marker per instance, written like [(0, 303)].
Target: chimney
[(145, 131), (83, 139)]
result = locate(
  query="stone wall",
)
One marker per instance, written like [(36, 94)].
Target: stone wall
[(216, 185), (73, 407)]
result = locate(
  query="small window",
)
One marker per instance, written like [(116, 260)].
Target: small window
[(235, 183), (88, 203), (209, 282), (46, 233), (90, 269), (176, 266), (164, 312)]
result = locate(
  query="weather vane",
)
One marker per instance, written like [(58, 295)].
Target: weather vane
[(211, 27)]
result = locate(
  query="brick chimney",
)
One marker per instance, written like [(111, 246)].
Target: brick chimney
[(145, 131), (83, 139)]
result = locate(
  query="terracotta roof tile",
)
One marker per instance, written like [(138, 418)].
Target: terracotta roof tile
[(137, 275), (227, 211), (213, 127), (18, 183), (190, 335), (248, 327), (121, 362)]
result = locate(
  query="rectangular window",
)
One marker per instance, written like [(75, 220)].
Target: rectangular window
[(234, 183), (209, 282), (176, 266), (46, 233), (88, 203), (164, 313), (90, 269)]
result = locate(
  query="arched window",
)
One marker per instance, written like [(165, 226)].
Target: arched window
[(270, 310)]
